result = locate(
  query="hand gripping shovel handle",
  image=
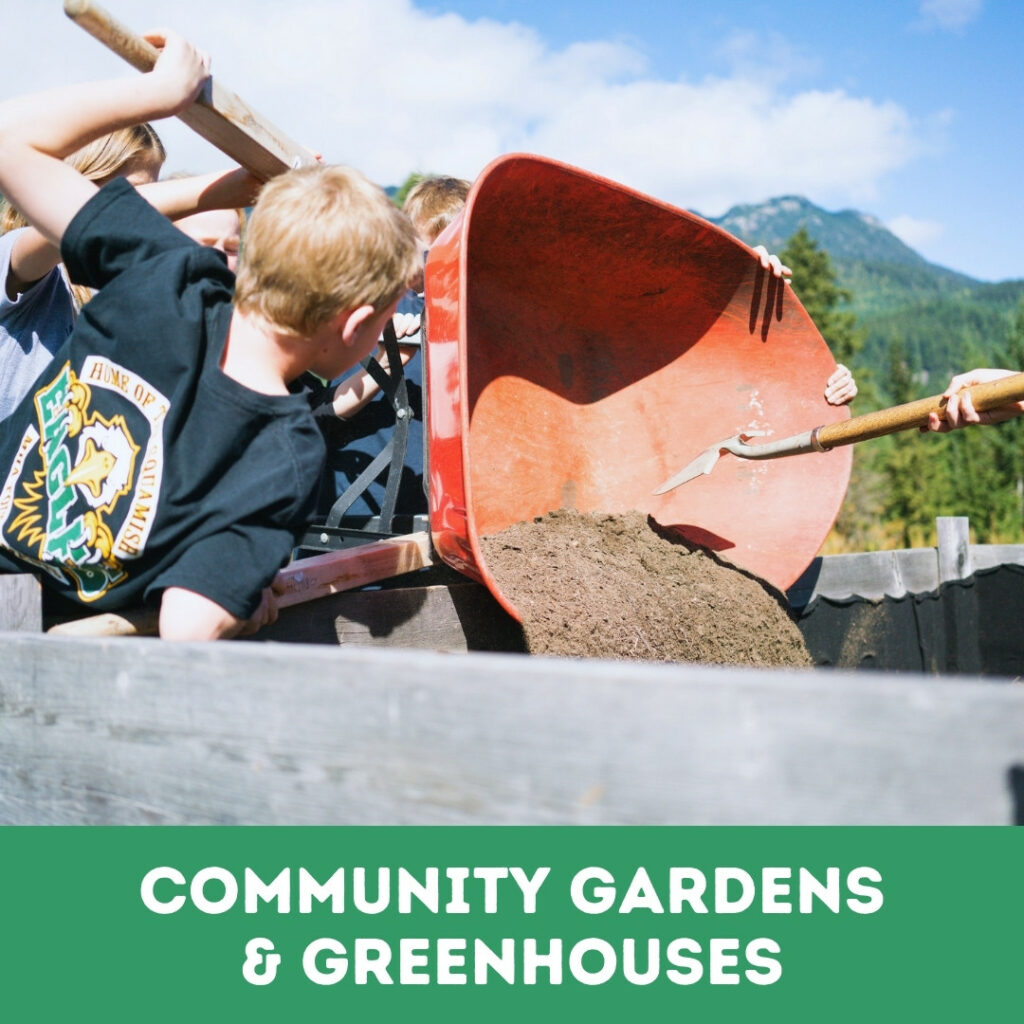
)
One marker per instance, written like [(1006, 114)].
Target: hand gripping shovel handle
[(860, 428), (218, 115), (915, 414)]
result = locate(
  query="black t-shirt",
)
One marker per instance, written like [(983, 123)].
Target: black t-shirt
[(136, 464)]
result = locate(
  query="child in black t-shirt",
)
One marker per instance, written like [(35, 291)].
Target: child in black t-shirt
[(161, 455)]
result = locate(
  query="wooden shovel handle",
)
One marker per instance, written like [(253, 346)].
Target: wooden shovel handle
[(218, 115), (915, 414)]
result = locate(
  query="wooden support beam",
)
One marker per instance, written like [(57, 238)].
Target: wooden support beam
[(455, 617), (121, 732)]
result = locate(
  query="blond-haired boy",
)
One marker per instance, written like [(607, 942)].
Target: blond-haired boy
[(161, 456), (431, 204)]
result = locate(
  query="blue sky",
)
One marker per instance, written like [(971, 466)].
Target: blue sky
[(908, 110), (955, 68)]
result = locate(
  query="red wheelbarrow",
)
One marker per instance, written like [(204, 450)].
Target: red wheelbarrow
[(583, 340)]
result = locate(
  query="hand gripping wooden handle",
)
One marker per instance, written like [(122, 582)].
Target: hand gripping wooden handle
[(915, 414), (218, 115)]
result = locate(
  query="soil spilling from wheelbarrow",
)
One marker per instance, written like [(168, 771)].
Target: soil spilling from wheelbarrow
[(619, 586)]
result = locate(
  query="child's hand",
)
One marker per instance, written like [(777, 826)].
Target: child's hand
[(840, 388), (772, 263), (406, 324), (960, 410), (180, 69), (266, 613)]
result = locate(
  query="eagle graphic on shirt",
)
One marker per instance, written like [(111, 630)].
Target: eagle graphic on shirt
[(80, 496)]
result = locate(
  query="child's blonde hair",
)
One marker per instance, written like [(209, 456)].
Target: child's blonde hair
[(103, 159), (119, 153), (321, 240), (433, 203)]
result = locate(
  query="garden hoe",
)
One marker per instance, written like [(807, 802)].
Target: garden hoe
[(858, 428)]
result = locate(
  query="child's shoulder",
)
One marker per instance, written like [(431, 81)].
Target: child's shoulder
[(118, 217)]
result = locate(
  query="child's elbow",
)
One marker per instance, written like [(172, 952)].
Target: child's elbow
[(188, 616)]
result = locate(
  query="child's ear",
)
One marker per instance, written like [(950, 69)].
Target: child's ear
[(352, 321)]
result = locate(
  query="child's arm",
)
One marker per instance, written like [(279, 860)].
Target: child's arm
[(186, 615), (33, 256), (354, 392), (219, 190), (38, 131)]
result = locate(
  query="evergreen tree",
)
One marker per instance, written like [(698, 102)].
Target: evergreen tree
[(815, 284), (1005, 450), (915, 473), (985, 465)]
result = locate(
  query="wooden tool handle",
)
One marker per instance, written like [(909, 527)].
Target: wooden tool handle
[(218, 115), (915, 414), (115, 36), (303, 580), (334, 571)]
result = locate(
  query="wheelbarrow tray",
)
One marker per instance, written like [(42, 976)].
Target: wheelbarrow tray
[(585, 341)]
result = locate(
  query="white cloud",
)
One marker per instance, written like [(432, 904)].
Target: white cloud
[(915, 232), (767, 57), (951, 15), (391, 88), (713, 144)]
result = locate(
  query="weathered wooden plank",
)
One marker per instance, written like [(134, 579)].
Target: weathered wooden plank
[(872, 575), (954, 548), (21, 604), (452, 617), (988, 556), (125, 731), (877, 574)]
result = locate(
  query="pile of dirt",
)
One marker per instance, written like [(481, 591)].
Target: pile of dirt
[(619, 586)]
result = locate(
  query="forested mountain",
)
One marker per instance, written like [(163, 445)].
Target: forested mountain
[(847, 235), (944, 320), (904, 326)]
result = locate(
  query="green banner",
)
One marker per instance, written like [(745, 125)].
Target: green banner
[(507, 924)]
